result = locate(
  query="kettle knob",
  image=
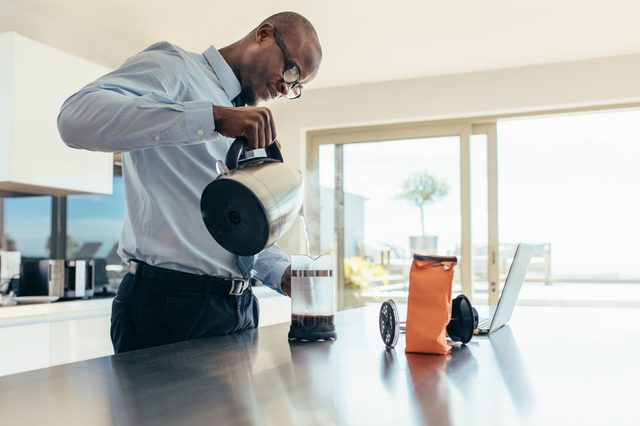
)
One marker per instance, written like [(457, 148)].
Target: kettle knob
[(221, 168)]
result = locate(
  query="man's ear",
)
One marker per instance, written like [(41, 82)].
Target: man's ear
[(264, 32)]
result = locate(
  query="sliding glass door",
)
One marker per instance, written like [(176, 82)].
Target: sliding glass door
[(570, 183), (378, 201)]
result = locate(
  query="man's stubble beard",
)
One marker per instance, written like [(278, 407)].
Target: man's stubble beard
[(247, 97)]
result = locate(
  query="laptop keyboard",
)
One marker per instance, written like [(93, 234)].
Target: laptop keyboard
[(484, 323)]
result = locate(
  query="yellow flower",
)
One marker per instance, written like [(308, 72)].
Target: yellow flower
[(360, 273)]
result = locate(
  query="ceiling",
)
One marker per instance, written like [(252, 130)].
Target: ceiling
[(363, 40)]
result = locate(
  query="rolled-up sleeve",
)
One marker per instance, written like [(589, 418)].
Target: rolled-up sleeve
[(133, 107)]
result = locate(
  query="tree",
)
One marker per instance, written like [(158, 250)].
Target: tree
[(421, 188)]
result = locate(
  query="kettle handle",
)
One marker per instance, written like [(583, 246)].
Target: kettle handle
[(233, 155)]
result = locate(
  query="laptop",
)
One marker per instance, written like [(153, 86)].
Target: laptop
[(515, 278)]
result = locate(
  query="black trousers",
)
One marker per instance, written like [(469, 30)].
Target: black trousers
[(149, 312)]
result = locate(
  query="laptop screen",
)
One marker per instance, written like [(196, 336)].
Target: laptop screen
[(512, 285)]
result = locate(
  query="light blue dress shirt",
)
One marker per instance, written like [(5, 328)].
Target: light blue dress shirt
[(157, 110)]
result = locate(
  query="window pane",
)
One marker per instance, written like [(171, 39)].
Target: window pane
[(570, 182), (382, 228), (27, 225), (94, 224)]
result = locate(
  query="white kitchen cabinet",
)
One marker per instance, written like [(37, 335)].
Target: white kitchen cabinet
[(42, 335), (32, 346), (24, 348), (274, 307), (35, 79), (79, 339)]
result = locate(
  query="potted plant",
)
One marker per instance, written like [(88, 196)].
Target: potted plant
[(419, 189)]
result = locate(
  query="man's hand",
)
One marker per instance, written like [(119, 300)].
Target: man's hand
[(254, 123), (286, 281)]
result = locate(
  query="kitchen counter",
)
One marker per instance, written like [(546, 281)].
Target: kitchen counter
[(559, 371), (55, 311)]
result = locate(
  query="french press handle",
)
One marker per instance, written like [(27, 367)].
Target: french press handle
[(233, 155)]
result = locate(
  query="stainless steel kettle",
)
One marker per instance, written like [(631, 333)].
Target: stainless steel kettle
[(253, 201)]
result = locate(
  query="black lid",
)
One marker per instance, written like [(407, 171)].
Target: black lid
[(234, 217)]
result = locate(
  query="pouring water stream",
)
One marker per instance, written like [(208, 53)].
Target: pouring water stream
[(306, 236)]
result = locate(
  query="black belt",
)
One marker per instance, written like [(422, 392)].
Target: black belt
[(183, 281)]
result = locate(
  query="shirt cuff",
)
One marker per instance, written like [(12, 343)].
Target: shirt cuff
[(199, 120), (268, 267), (273, 279)]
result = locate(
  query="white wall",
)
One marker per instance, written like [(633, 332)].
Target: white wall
[(605, 81)]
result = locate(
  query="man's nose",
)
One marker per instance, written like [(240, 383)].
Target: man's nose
[(283, 88)]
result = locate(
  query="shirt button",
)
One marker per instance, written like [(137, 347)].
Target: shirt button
[(156, 138), (200, 132)]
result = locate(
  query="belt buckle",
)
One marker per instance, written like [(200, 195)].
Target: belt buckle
[(238, 286)]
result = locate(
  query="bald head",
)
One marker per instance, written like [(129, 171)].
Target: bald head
[(296, 26)]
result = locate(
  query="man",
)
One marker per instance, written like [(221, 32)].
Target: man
[(172, 114)]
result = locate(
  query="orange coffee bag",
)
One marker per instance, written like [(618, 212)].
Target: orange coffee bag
[(429, 304)]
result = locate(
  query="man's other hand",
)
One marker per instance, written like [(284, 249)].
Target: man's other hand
[(254, 123)]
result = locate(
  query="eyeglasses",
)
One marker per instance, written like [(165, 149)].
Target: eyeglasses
[(291, 74)]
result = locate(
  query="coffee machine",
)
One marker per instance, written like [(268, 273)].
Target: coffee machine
[(69, 279)]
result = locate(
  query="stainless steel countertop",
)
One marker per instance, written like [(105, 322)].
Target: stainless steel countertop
[(578, 366)]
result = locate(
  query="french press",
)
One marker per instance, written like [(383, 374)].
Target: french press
[(312, 298)]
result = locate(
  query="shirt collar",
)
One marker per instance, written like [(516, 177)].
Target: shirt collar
[(221, 68)]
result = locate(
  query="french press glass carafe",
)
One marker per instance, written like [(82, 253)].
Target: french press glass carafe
[(312, 298)]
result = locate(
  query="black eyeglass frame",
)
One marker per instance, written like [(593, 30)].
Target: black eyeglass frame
[(294, 86)]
